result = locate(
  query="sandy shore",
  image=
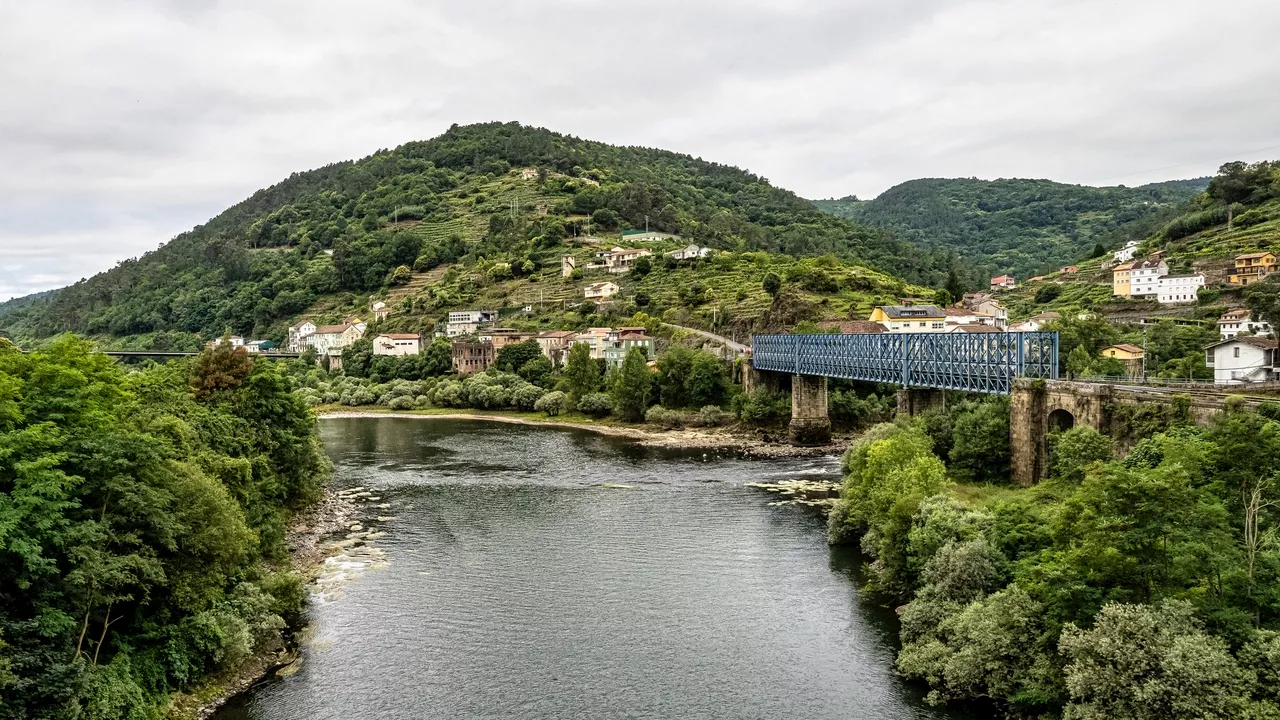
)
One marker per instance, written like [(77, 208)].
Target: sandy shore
[(754, 445)]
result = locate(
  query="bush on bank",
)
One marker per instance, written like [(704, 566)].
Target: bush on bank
[(1119, 588), (142, 523)]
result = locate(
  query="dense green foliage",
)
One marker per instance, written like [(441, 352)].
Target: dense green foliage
[(1142, 587), (357, 227), (136, 512), (1024, 227)]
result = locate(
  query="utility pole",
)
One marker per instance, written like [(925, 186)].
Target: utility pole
[(1144, 352), (646, 224)]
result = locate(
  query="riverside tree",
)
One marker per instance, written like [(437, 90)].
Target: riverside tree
[(632, 388), (142, 520), (581, 372)]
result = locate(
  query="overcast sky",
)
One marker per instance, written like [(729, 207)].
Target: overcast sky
[(125, 122)]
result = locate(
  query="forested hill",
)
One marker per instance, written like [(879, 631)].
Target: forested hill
[(1025, 227), (458, 198)]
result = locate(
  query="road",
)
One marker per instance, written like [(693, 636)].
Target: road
[(737, 347)]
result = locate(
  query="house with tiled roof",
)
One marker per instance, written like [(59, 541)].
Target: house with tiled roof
[(1243, 360)]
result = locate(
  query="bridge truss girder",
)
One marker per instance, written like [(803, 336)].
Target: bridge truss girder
[(985, 362)]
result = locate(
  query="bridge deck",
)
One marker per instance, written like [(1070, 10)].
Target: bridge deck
[(986, 363)]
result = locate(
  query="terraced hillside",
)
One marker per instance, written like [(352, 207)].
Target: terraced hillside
[(495, 203)]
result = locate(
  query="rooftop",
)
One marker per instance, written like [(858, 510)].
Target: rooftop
[(1263, 343), (897, 312), (1127, 348), (1253, 256)]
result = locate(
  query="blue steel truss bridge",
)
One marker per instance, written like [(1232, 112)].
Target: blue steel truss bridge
[(983, 362)]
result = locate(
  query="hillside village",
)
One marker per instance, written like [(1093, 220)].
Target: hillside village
[(612, 275)]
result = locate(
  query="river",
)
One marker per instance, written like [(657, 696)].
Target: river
[(510, 584)]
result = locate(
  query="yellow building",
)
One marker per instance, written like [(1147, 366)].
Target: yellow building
[(1123, 351), (910, 318), (1130, 355), (1252, 267), (1120, 279)]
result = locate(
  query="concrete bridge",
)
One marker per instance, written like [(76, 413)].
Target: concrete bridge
[(1023, 366)]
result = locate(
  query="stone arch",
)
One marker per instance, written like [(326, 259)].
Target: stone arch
[(1061, 419)]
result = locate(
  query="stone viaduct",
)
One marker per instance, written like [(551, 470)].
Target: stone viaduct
[(1037, 407)]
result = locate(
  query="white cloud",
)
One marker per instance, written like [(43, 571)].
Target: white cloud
[(125, 122)]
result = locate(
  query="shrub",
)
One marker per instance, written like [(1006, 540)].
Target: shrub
[(596, 404), (712, 415), (1076, 449), (526, 396), (403, 402), (662, 417), (980, 450), (358, 397), (551, 403), (763, 407)]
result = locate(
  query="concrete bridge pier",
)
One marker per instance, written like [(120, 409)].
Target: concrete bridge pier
[(810, 424), (913, 401)]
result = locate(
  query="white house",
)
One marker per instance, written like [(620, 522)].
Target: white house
[(971, 328), (1125, 254), (468, 322), (619, 260), (997, 312), (397, 344), (568, 264), (235, 341), (690, 252), (600, 291), (380, 310), (1034, 323), (1003, 282), (1178, 288), (297, 341), (1144, 277), (962, 316), (1234, 322), (1242, 360), (334, 337)]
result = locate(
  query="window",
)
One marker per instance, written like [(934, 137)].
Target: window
[(1236, 352), (922, 324)]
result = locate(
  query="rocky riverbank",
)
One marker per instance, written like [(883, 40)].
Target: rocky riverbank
[(751, 443)]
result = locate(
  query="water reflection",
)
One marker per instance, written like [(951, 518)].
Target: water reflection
[(517, 587)]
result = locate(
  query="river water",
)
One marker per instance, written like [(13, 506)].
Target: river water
[(510, 584)]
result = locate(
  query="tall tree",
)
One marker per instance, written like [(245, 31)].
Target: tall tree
[(581, 372), (633, 386)]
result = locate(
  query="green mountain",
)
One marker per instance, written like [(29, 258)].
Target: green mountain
[(1024, 227), (1238, 212), (328, 239)]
